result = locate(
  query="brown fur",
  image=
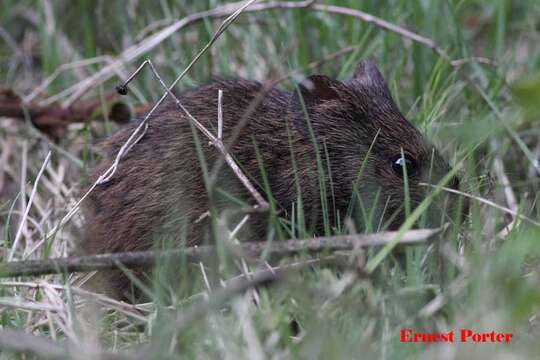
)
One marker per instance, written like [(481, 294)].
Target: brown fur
[(158, 190)]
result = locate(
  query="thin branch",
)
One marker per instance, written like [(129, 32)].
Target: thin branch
[(196, 254), (53, 119), (385, 25)]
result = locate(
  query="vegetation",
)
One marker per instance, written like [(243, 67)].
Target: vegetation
[(477, 96)]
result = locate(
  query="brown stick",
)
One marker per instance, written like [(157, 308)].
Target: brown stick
[(137, 259), (53, 119)]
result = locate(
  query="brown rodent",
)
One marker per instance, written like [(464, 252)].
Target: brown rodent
[(159, 191)]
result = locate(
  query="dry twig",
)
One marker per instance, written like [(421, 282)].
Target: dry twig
[(197, 253), (53, 119)]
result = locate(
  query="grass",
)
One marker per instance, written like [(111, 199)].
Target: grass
[(482, 275)]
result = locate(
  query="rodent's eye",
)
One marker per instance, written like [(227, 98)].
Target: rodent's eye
[(399, 162)]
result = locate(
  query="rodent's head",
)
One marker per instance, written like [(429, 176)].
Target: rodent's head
[(358, 126)]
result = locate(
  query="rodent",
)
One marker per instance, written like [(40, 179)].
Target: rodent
[(159, 189)]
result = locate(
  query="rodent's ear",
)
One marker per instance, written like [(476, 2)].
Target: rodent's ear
[(367, 75), (311, 92)]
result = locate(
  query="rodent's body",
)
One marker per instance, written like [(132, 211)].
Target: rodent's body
[(162, 176), (158, 190)]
